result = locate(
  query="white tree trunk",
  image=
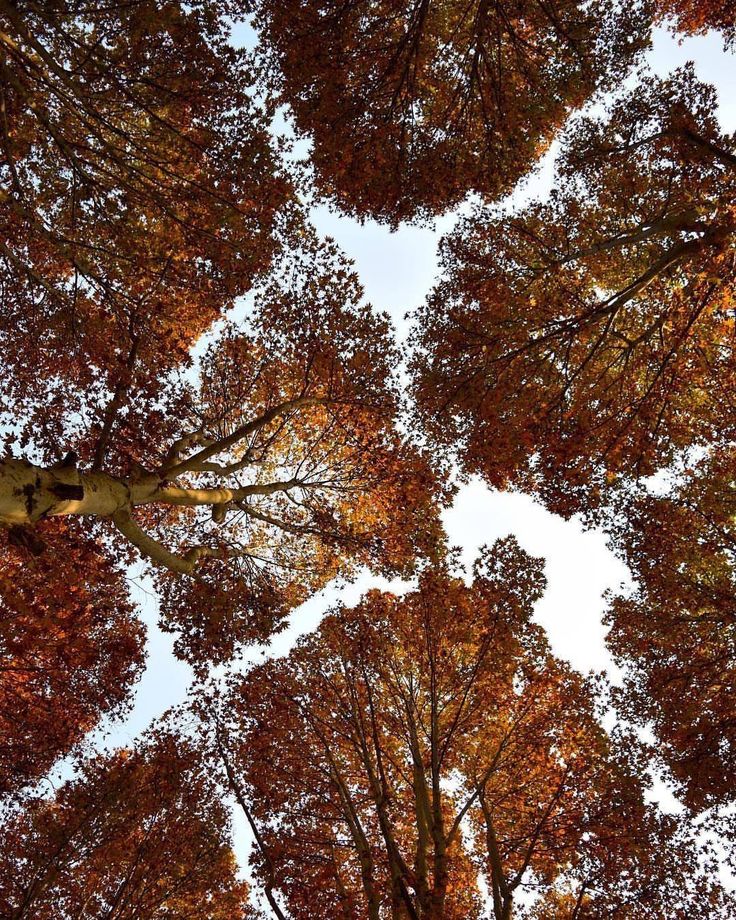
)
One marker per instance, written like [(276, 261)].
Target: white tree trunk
[(29, 493)]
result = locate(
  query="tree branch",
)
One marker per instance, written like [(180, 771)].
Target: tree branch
[(240, 799), (174, 495), (154, 550), (172, 470), (725, 156)]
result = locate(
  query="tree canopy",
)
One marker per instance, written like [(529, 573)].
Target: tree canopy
[(255, 484), (698, 16), (139, 189), (139, 833), (589, 336), (70, 648), (674, 634), (194, 384), (417, 744), (410, 106)]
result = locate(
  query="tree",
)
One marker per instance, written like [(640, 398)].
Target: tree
[(138, 193), (280, 468), (139, 198), (139, 833), (414, 745), (70, 648), (591, 336), (695, 17), (675, 636), (412, 105)]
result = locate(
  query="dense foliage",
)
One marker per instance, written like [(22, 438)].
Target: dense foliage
[(416, 745), (193, 383), (410, 105), (589, 336)]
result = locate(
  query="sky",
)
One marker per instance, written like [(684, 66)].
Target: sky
[(397, 269)]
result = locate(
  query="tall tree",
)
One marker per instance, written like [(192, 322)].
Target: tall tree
[(415, 745), (138, 834), (276, 470), (592, 335), (412, 105), (70, 647), (139, 198), (675, 635), (138, 191)]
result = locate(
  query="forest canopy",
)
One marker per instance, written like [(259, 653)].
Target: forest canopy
[(199, 406)]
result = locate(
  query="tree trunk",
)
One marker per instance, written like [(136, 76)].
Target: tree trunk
[(29, 493)]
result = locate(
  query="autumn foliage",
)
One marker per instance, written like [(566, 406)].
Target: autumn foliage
[(333, 485), (698, 16), (414, 745), (675, 634), (589, 336), (139, 188), (412, 105), (194, 384), (70, 648), (136, 834)]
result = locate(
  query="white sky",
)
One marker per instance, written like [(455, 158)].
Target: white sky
[(397, 270)]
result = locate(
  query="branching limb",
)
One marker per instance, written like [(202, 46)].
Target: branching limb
[(173, 469), (299, 529), (154, 550), (239, 795), (184, 443), (175, 495), (727, 157)]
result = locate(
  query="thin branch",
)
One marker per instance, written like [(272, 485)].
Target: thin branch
[(172, 470)]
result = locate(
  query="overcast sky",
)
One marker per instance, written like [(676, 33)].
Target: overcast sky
[(397, 270)]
